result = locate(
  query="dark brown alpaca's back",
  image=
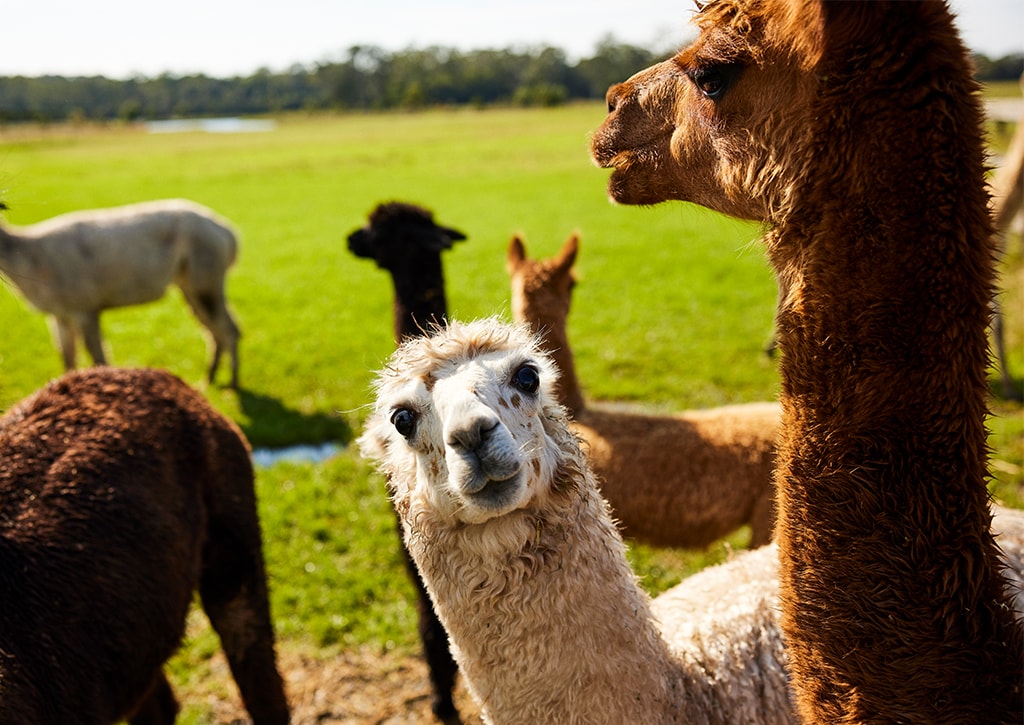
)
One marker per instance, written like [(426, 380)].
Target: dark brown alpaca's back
[(121, 493)]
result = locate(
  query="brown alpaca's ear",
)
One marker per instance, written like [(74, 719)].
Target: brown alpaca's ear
[(516, 254), (567, 257)]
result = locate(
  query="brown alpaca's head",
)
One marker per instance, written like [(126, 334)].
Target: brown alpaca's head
[(542, 288), (541, 294), (721, 123)]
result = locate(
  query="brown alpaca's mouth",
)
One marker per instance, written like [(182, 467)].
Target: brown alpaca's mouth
[(602, 149)]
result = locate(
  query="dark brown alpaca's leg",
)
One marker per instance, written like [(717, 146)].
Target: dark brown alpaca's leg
[(158, 707), (440, 663), (234, 595)]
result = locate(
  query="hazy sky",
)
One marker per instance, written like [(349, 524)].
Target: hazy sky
[(121, 38)]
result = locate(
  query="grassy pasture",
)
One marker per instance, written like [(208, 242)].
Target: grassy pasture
[(672, 311)]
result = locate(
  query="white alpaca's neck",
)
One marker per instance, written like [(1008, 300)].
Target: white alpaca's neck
[(546, 619)]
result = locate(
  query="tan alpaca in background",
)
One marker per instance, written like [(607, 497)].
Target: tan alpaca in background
[(686, 479)]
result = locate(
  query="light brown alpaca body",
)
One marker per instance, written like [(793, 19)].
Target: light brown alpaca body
[(672, 480), (812, 117)]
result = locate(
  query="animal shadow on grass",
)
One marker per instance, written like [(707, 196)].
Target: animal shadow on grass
[(269, 423)]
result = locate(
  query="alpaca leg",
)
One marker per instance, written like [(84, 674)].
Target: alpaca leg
[(90, 324), (211, 309), (440, 663), (762, 519), (999, 342), (158, 706), (64, 335), (233, 590)]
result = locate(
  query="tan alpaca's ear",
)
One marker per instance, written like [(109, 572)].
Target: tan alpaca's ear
[(516, 254), (567, 257)]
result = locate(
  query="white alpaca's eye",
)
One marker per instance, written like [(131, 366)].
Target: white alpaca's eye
[(527, 379), (404, 421)]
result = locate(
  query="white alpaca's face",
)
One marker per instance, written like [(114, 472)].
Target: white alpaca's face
[(466, 440)]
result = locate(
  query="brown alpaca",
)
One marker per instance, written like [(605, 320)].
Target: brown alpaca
[(854, 131), (671, 480), (121, 493)]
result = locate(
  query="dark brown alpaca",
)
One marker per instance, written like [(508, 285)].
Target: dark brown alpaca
[(854, 131), (404, 240), (121, 493), (672, 480)]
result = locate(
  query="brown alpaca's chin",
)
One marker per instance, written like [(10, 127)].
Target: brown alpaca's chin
[(633, 189)]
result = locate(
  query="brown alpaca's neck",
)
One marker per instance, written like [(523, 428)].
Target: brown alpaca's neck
[(893, 601), (555, 628), (556, 343)]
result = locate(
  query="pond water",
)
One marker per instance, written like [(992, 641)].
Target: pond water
[(212, 125), (316, 453)]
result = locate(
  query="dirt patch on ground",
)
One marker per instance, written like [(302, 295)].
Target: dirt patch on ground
[(351, 687)]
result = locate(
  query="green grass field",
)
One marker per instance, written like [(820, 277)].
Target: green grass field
[(673, 310)]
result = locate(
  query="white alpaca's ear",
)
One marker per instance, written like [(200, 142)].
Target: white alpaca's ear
[(373, 445)]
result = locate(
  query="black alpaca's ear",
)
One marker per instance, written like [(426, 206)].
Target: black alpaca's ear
[(441, 238)]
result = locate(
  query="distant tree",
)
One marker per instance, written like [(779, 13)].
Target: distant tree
[(368, 77), (612, 63), (1007, 68)]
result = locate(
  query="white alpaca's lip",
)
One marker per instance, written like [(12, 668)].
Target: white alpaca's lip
[(496, 493)]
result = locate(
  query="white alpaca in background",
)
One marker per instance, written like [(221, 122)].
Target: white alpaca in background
[(76, 265)]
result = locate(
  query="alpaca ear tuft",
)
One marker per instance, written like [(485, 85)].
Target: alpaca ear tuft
[(516, 254), (570, 249)]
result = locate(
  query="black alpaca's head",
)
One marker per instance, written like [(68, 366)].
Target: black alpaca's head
[(404, 240), (400, 235)]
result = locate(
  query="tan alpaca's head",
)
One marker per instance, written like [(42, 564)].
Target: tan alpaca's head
[(541, 288), (466, 428), (718, 123)]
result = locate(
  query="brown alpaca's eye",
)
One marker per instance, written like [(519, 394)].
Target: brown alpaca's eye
[(527, 379), (404, 421), (712, 81)]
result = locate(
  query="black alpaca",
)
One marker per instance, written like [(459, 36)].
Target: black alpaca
[(404, 240)]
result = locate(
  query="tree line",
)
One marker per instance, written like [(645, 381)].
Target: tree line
[(368, 78)]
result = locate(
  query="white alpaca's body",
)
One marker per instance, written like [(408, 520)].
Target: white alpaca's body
[(528, 572), (76, 265)]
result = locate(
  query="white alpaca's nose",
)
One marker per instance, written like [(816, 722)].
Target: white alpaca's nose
[(473, 432)]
